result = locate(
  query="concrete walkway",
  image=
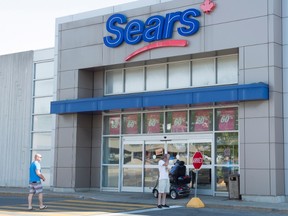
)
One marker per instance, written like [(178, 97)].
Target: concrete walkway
[(147, 198)]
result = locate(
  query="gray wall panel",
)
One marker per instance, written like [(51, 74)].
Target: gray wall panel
[(83, 57), (15, 117), (236, 34), (235, 10), (74, 37)]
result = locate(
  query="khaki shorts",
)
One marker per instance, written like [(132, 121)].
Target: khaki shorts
[(164, 186), (35, 188)]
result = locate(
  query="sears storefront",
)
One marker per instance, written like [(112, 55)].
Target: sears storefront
[(162, 78)]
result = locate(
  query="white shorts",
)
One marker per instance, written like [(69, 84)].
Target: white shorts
[(164, 186)]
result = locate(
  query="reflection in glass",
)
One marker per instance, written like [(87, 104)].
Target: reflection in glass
[(131, 124), (133, 154), (204, 178), (112, 124), (226, 119), (111, 150), (150, 177), (179, 75), (176, 121), (222, 176), (156, 77), (153, 153), (110, 176), (134, 79), (227, 69), (153, 122), (203, 72), (132, 177), (226, 146), (204, 148), (177, 151), (201, 120), (114, 81)]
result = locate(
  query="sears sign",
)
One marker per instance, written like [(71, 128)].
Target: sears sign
[(155, 29)]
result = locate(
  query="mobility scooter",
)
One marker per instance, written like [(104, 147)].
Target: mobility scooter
[(178, 182)]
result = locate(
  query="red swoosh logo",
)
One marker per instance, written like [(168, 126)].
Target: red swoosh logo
[(158, 44)]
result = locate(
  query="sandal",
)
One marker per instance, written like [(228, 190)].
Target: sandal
[(44, 207), (30, 209)]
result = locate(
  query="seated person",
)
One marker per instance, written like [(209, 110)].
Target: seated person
[(178, 170), (174, 168)]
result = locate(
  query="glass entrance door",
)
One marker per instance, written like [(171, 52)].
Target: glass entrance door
[(205, 174), (132, 166), (141, 157)]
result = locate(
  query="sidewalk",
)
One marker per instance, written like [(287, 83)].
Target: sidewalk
[(147, 198)]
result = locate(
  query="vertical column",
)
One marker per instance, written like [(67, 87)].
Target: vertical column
[(285, 86)]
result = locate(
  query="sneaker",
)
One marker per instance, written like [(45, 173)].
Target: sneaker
[(159, 206), (166, 206), (43, 207)]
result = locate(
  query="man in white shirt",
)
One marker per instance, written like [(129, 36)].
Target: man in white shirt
[(164, 184)]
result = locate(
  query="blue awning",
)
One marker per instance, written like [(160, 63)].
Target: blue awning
[(228, 93)]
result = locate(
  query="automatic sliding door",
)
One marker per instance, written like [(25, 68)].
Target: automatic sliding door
[(205, 174), (132, 170), (178, 151), (153, 153)]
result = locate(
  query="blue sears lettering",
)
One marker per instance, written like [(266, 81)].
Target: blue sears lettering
[(155, 27)]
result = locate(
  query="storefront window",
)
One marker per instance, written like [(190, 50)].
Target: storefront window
[(114, 81), (179, 75), (226, 147), (226, 119), (173, 75), (176, 122), (111, 151), (222, 176), (131, 124), (112, 125), (153, 122), (156, 77), (204, 148), (110, 176), (227, 69), (134, 80), (203, 72), (201, 120)]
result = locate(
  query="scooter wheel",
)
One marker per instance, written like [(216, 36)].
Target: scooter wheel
[(155, 193), (173, 194)]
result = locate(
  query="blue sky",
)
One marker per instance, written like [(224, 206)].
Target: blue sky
[(30, 24)]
